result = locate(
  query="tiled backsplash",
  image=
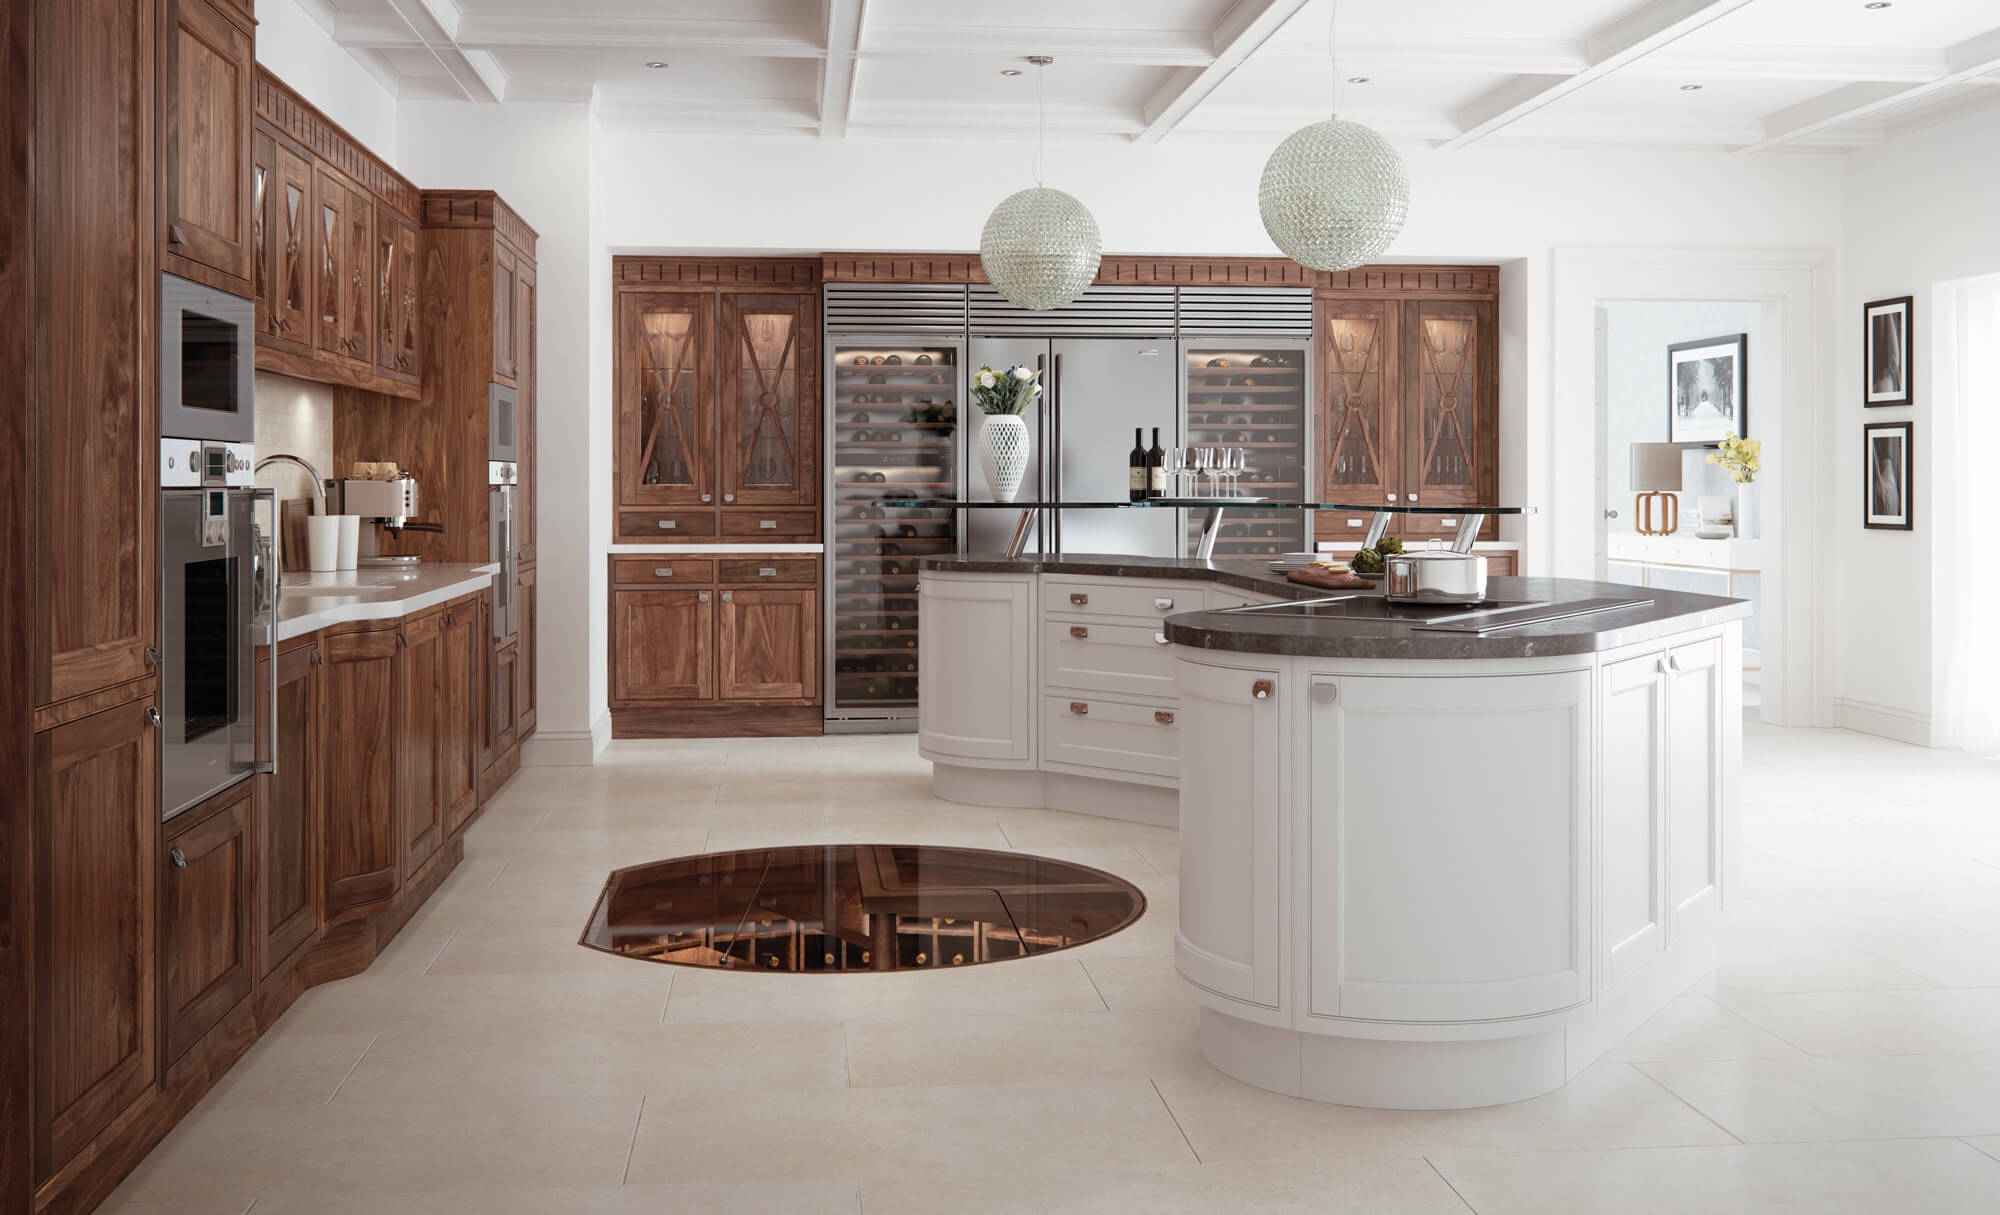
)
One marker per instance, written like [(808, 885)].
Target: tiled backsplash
[(295, 417)]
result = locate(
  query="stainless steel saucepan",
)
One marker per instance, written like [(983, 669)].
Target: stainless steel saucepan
[(1434, 576)]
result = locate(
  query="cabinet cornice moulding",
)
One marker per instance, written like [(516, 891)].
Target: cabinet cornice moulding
[(478, 209), (647, 271), (292, 116), (1154, 270)]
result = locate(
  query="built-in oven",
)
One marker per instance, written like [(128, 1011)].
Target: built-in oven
[(217, 591), (207, 357), (500, 414)]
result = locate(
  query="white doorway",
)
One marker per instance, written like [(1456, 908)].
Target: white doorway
[(1789, 295)]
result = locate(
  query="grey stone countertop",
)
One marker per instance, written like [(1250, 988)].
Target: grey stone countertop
[(1391, 634)]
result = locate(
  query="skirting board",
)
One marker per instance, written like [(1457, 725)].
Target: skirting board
[(719, 721), (1885, 721), (1056, 791), (567, 748)]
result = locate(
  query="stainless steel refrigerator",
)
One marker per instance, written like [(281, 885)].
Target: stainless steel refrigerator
[(1096, 392)]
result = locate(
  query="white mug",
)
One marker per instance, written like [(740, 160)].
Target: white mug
[(350, 541), (323, 542)]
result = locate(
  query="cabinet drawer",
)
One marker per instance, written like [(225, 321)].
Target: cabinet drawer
[(656, 525), (1142, 600), (664, 569), (751, 523), (1127, 659), (770, 571), (1104, 734)]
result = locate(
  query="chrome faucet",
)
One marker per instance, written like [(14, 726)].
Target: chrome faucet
[(318, 482)]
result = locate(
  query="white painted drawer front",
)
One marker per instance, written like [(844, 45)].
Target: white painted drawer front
[(1135, 598), (1143, 739), (1132, 659)]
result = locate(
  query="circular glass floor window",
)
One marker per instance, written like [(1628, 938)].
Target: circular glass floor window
[(856, 907)]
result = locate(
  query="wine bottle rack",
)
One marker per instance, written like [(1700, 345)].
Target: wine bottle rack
[(1240, 394), (895, 433)]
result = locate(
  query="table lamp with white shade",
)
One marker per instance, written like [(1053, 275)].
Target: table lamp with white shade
[(1656, 478)]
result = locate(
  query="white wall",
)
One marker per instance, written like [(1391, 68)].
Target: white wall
[(539, 158), (1919, 211), (1638, 334), (292, 43)]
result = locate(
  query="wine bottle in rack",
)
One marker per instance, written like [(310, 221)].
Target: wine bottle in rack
[(1156, 468), (1137, 463)]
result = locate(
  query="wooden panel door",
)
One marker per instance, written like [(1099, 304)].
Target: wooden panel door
[(768, 646), (458, 715), (358, 707), (330, 244), (1449, 390), (1359, 441), (662, 646), (95, 833), (768, 399), (420, 719), (396, 318), (666, 407), (1228, 941), (409, 314), (524, 682), (506, 349), (288, 811), (360, 307), (95, 342), (291, 249), (263, 214), (503, 684), (524, 408), (206, 926), (1632, 912), (205, 220), (977, 633)]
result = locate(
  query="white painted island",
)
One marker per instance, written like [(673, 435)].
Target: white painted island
[(1418, 869)]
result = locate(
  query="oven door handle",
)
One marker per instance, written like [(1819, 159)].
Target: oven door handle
[(268, 766)]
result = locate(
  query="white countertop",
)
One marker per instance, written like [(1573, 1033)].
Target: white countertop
[(309, 601)]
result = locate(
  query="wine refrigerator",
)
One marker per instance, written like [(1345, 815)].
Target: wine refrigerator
[(895, 404), (1252, 393)]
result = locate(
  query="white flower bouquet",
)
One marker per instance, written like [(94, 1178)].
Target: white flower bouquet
[(1005, 392)]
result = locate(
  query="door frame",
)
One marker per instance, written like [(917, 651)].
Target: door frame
[(1797, 285)]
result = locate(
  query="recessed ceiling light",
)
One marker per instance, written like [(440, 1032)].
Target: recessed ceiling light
[(1878, 4), (1690, 88), (656, 63), (1357, 80), (1010, 71)]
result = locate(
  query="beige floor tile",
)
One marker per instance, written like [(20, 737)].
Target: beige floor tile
[(1608, 1105), (678, 1062), (877, 1131), (1961, 959), (1392, 1185), (1164, 858), (1748, 962), (1905, 1176), (618, 995), (213, 1204), (1137, 984), (286, 1068), (727, 837), (377, 1148), (612, 849), (1832, 918), (1865, 1097), (1045, 1049), (1696, 1027), (812, 1196), (495, 947), (1036, 985), (1989, 1144), (1031, 829), (412, 950), (1877, 1022)]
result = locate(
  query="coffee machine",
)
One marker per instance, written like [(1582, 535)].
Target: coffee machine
[(385, 504)]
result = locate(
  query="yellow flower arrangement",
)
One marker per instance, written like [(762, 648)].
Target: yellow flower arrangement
[(1744, 458)]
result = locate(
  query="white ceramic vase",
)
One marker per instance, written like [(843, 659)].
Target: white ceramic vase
[(1003, 454), (1746, 511)]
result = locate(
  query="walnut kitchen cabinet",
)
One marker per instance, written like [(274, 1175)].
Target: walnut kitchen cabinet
[(96, 824), (524, 408), (524, 673), (362, 742), (288, 810), (208, 952), (767, 414), (464, 648), (1409, 401), (506, 341), (420, 735), (399, 345), (665, 371), (289, 308), (662, 646), (206, 73)]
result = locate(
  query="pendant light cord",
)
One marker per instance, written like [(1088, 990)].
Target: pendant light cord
[(1041, 123), (1333, 62)]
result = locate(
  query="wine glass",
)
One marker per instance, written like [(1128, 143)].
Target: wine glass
[(1204, 465)]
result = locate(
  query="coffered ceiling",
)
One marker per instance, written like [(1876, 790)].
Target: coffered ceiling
[(1753, 75)]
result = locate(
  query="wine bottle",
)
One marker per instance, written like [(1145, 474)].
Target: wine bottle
[(1137, 463), (1156, 468)]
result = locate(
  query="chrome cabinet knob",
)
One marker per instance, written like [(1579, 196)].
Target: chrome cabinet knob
[(1326, 693), (178, 858), (1163, 604), (728, 596), (663, 571), (729, 497), (1160, 639), (702, 598), (153, 714), (706, 498)]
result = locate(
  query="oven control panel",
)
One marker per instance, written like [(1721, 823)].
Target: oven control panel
[(193, 463)]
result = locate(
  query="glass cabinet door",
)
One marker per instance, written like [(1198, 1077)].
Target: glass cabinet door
[(666, 424), (1242, 393), (1447, 375), (769, 399), (895, 421)]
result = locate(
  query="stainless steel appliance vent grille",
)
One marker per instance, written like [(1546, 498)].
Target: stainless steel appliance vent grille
[(1103, 311), (895, 308), (1233, 310)]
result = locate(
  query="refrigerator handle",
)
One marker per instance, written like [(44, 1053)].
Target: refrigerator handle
[(1055, 461)]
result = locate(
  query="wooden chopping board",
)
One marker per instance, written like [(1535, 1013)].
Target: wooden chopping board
[(292, 514), (1326, 579)]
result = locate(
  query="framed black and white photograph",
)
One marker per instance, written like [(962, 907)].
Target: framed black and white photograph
[(1708, 384), (1886, 486), (1885, 354)]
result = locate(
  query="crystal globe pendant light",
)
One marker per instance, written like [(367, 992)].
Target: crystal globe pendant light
[(1041, 247), (1334, 194)]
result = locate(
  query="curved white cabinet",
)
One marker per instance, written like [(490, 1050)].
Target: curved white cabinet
[(976, 701)]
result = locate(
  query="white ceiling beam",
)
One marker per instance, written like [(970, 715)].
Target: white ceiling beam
[(844, 19), (698, 116), (1623, 43), (1159, 48), (1248, 25), (508, 32), (1965, 62)]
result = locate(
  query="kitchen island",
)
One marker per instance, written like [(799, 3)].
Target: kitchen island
[(1422, 865)]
